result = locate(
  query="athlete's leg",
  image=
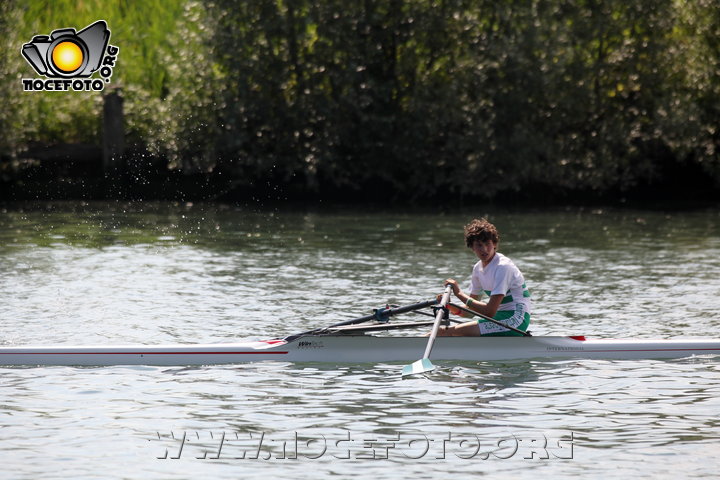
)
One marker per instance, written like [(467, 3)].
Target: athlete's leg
[(467, 329)]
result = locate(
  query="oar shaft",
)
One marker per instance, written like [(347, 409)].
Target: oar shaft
[(386, 313), (438, 319), (477, 314)]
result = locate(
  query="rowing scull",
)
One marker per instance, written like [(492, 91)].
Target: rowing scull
[(358, 348)]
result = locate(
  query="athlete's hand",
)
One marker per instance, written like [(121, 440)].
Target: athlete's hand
[(454, 284)]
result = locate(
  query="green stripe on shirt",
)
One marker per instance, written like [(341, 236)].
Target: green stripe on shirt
[(509, 298)]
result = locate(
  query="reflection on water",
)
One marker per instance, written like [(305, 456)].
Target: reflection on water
[(162, 273)]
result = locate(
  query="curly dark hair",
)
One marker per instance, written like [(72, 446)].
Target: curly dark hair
[(480, 230)]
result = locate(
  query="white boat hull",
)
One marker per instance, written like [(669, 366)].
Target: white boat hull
[(358, 349)]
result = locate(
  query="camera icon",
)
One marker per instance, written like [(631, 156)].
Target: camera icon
[(67, 53)]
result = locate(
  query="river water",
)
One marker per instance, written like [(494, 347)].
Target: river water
[(77, 273)]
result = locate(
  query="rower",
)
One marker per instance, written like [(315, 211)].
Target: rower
[(497, 277)]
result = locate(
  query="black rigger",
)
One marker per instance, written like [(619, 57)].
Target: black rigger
[(381, 315)]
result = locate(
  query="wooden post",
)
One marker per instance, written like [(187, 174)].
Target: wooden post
[(113, 135)]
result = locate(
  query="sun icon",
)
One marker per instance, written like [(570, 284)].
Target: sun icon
[(67, 56)]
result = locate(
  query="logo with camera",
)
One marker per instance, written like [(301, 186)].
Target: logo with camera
[(68, 59)]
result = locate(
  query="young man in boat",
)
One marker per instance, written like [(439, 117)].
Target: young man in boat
[(496, 276)]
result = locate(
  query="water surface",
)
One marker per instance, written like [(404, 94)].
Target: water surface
[(74, 273)]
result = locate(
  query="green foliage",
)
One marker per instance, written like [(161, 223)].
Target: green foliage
[(142, 30), (420, 98)]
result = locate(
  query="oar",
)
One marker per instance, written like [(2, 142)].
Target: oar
[(424, 364), (473, 312), (380, 314)]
